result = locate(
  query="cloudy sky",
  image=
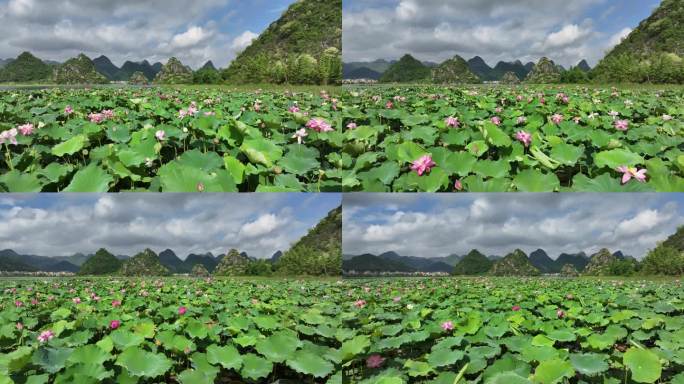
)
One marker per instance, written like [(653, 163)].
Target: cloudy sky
[(63, 224), (192, 30), (433, 225), (564, 30)]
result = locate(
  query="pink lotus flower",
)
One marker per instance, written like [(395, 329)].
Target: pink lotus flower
[(515, 308), (300, 135), (46, 336), (26, 129), (447, 326), (160, 135), (629, 172), (519, 98), (20, 326), (116, 303), (68, 110), (114, 324), (560, 313), (452, 122), (496, 120), (293, 109), (389, 105), (182, 310), (621, 125), (374, 361), (18, 303), (76, 300), (557, 118), (360, 303), (319, 125), (96, 118), (423, 165), (352, 125), (182, 113), (108, 114), (458, 185), (9, 135), (521, 120), (524, 137)]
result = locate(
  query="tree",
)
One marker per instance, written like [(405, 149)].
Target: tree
[(474, 263), (259, 268), (663, 260), (206, 76)]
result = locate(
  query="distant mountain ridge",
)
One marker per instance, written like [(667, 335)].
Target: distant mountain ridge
[(168, 258), (113, 73), (474, 263), (376, 69)]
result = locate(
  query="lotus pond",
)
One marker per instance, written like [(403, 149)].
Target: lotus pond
[(503, 330), (169, 140), (173, 330), (514, 138)]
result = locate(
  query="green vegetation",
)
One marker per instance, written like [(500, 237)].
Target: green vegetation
[(210, 139), (232, 264), (500, 139), (510, 78), (406, 70), (303, 47), (544, 72), (474, 263), (600, 263), (199, 270), (667, 258), (653, 52), (515, 330), (145, 263), (170, 330), (78, 70), (101, 263), (25, 69), (454, 71), (319, 252), (138, 78), (174, 72), (206, 76), (515, 263)]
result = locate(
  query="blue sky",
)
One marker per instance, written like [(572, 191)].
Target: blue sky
[(566, 31), (63, 224), (433, 225), (194, 31)]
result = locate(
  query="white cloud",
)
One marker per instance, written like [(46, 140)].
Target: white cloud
[(567, 35), (122, 30), (264, 225), (193, 36), (618, 37), (643, 221), (243, 41), (496, 30), (129, 223), (439, 225)]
